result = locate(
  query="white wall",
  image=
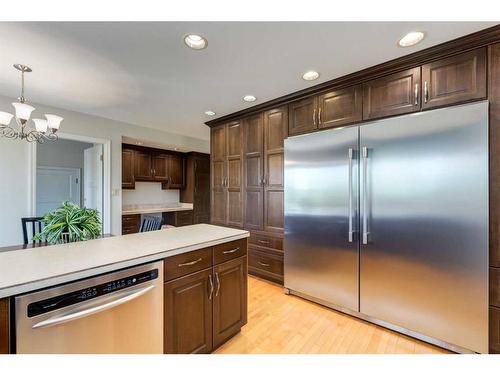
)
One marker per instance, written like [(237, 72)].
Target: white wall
[(149, 193), (15, 154)]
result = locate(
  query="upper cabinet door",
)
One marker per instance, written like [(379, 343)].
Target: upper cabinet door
[(302, 116), (218, 138), (340, 107), (234, 139), (275, 121), (160, 170), (455, 79), (392, 95), (275, 129), (143, 166), (234, 174), (253, 171), (128, 181), (176, 169)]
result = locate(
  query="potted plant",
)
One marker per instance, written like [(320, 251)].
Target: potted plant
[(70, 223)]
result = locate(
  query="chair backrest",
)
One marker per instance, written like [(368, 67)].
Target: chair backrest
[(36, 227), (150, 223)]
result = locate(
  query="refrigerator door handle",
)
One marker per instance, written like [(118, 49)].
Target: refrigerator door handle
[(350, 214), (366, 233)]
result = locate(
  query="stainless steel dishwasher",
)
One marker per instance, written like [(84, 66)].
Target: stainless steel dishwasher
[(119, 312)]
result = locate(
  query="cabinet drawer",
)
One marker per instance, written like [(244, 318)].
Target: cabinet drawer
[(266, 241), (229, 250), (183, 264), (184, 218), (269, 266), (130, 224), (495, 286), (494, 330)]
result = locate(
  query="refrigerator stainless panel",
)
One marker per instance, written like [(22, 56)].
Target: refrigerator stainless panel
[(424, 193), (319, 259)]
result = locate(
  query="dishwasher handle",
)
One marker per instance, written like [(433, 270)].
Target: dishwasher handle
[(72, 315)]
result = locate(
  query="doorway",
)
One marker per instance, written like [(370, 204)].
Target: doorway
[(75, 169)]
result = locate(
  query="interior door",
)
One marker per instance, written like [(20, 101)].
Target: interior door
[(55, 185), (93, 176), (321, 200), (424, 212)]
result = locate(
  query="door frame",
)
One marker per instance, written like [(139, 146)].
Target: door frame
[(106, 184)]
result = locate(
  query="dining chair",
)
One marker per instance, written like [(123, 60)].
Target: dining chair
[(36, 225), (150, 223)]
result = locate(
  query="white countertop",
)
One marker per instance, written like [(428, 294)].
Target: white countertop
[(30, 269), (155, 208)]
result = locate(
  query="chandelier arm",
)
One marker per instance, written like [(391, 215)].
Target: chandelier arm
[(8, 132)]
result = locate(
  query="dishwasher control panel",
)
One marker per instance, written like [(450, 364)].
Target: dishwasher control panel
[(77, 296)]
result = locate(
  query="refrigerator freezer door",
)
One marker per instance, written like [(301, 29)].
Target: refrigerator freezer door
[(424, 194), (321, 216)]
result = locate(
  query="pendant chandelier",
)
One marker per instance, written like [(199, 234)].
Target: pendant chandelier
[(44, 129)]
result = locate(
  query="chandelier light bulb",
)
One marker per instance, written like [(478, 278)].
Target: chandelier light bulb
[(54, 121), (5, 118), (23, 111), (40, 125)]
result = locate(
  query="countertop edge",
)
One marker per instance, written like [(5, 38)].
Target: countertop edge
[(62, 279)]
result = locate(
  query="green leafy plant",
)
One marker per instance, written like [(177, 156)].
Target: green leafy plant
[(70, 222)]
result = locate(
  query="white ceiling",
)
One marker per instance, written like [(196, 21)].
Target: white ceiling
[(142, 73)]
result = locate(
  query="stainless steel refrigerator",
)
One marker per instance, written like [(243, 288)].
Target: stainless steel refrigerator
[(388, 221)]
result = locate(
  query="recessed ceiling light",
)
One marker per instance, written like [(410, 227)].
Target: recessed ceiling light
[(310, 75), (210, 113), (411, 39), (249, 98), (195, 41)]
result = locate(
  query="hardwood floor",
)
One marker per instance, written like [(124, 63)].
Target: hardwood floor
[(278, 323)]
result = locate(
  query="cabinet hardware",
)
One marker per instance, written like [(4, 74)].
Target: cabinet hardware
[(211, 286), (218, 284), (231, 251), (350, 154), (264, 242), (190, 263), (264, 264), (319, 116), (426, 92), (416, 93), (314, 116), (366, 233)]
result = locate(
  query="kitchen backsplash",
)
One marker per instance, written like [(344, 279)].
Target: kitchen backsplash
[(149, 193)]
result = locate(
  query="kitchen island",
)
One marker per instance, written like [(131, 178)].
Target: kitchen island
[(218, 258)]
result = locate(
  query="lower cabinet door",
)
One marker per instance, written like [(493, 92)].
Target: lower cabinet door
[(188, 314), (230, 299)]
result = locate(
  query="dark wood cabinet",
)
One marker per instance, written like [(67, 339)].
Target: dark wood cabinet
[(254, 171), (456, 79), (218, 175), (494, 330), (230, 299), (275, 121), (188, 313), (495, 287), (227, 175), (176, 170), (340, 107), (494, 158), (178, 218), (197, 187), (128, 179), (160, 167), (4, 326), (266, 264), (302, 116), (143, 167), (205, 297), (130, 224), (152, 165), (392, 95)]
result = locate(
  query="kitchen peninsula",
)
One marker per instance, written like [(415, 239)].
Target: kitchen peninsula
[(202, 267)]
